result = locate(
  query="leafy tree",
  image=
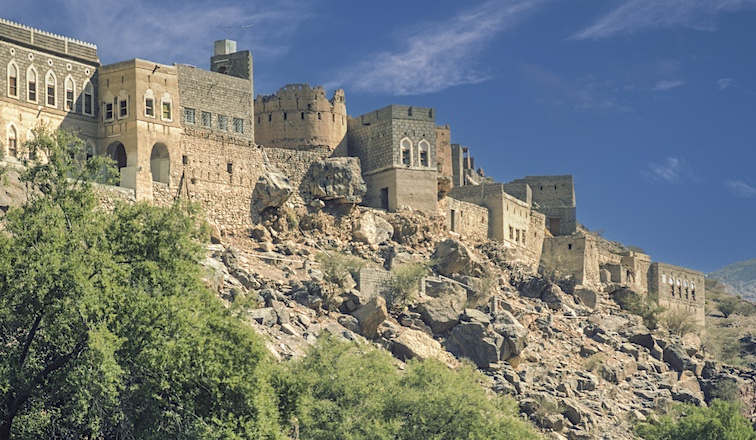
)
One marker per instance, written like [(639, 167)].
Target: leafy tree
[(727, 306), (347, 391), (720, 421), (106, 328)]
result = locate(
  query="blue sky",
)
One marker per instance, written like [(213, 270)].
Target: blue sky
[(649, 104)]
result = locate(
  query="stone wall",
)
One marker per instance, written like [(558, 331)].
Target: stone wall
[(444, 151), (396, 188), (554, 196), (52, 44), (678, 288), (572, 256), (372, 281), (295, 164), (467, 219), (299, 117)]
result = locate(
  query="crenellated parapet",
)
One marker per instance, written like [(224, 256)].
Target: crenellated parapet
[(301, 117)]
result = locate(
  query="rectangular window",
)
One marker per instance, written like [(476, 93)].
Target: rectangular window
[(12, 148), (207, 118), (32, 91), (189, 115), (149, 107), (167, 114), (13, 87), (423, 158), (405, 156), (223, 122), (239, 125), (108, 111), (51, 95), (88, 103), (69, 99), (123, 108), (511, 233)]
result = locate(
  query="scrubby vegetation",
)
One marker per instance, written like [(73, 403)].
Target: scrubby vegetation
[(720, 421)]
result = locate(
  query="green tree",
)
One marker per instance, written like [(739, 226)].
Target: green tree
[(107, 329), (720, 421)]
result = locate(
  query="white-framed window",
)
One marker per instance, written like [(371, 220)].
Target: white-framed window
[(12, 141), (70, 93), (206, 119), (406, 146), (166, 106), (88, 105), (424, 152), (189, 115), (238, 125), (12, 80), (149, 103), (31, 84), (123, 104), (51, 85)]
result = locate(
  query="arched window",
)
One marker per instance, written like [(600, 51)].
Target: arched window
[(51, 84), (12, 80), (149, 103), (12, 141), (123, 104), (406, 146), (424, 152), (166, 104), (88, 98), (31, 84), (70, 93)]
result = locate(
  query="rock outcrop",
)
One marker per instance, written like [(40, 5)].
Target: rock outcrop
[(338, 179)]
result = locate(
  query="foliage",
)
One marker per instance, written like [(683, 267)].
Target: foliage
[(405, 283), (645, 306), (107, 330), (364, 396), (594, 362), (724, 344), (338, 267), (720, 421), (727, 306), (681, 322)]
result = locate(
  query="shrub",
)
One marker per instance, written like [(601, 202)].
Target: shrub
[(720, 421), (405, 283), (646, 306), (337, 267), (681, 322)]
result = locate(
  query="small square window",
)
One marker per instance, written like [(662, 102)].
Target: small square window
[(239, 125), (189, 115), (207, 118), (223, 122)]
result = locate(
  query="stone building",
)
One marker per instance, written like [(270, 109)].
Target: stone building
[(678, 289), (396, 146), (300, 117), (554, 196), (46, 79)]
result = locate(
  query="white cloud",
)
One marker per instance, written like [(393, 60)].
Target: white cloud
[(739, 188), (641, 15), (184, 32), (671, 170), (440, 55), (724, 83), (667, 85)]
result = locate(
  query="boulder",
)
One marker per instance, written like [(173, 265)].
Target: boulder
[(441, 314), (337, 178), (474, 341), (272, 190), (587, 297), (372, 229), (371, 315), (453, 257), (515, 335), (415, 344), (265, 316), (445, 184), (552, 295), (677, 358), (533, 287)]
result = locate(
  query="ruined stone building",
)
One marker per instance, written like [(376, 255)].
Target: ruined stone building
[(180, 131)]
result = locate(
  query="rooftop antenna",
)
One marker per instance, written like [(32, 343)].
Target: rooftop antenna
[(231, 29)]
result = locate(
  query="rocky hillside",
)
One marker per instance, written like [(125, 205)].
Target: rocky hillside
[(579, 366), (740, 278)]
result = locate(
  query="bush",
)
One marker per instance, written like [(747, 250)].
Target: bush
[(681, 322), (646, 306), (720, 421), (337, 267), (405, 283), (347, 391)]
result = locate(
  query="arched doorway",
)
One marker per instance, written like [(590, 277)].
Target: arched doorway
[(117, 152), (160, 163)]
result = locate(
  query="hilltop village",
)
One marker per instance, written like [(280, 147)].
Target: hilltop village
[(180, 131)]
